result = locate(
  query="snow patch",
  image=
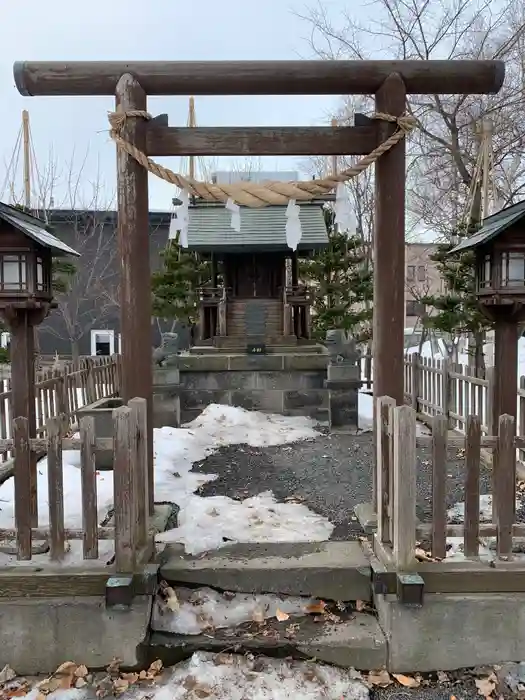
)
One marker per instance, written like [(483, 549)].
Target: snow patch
[(205, 609)]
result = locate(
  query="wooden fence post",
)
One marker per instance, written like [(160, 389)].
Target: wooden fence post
[(89, 487), (472, 465), (382, 481), (446, 388), (124, 489), (506, 494), (415, 361), (491, 424), (405, 493), (139, 409), (55, 486), (91, 395), (521, 411), (439, 481), (23, 484)]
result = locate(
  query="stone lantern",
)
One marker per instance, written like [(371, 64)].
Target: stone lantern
[(499, 247), (27, 250)]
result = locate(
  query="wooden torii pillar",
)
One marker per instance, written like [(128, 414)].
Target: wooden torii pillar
[(131, 82)]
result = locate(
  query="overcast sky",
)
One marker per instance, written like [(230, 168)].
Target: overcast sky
[(75, 129)]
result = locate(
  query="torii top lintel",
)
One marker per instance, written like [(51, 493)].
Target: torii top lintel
[(69, 78)]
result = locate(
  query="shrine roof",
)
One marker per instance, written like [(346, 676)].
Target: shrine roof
[(261, 229), (36, 229), (493, 226)]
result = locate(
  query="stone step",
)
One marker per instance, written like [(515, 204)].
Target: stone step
[(327, 570), (357, 642)]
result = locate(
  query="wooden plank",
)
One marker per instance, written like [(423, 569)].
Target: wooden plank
[(439, 486), (33, 582), (472, 465), (43, 533), (485, 530), (89, 487), (389, 250), (405, 493), (506, 506), (124, 489), (257, 77), (385, 405), (55, 485), (140, 420), (23, 485), (258, 140)]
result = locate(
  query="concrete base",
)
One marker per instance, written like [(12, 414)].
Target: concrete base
[(37, 635), (356, 643), (453, 631), (328, 570)]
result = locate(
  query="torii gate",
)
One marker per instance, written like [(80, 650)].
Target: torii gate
[(131, 82)]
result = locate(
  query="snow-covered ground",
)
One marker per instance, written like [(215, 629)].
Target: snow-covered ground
[(203, 523)]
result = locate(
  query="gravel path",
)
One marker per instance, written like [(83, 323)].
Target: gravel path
[(330, 475)]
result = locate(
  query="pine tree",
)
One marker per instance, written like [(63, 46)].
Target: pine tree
[(175, 285), (456, 311), (342, 281)]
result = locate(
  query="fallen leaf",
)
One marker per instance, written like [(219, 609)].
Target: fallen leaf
[(258, 616), (222, 659), (80, 683), (114, 666), (316, 608), (7, 674), (486, 686), (360, 605), (443, 677), (120, 686), (81, 671), (131, 678), (14, 693), (68, 668), (406, 681), (281, 616), (202, 691), (155, 667), (380, 678)]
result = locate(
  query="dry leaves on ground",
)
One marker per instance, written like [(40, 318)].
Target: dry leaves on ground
[(486, 686), (407, 681)]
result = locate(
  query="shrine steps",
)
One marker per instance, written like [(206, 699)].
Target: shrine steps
[(328, 571)]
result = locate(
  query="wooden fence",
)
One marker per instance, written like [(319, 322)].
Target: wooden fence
[(399, 530), (62, 392), (130, 528)]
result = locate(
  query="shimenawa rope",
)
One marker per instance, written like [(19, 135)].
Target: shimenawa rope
[(251, 194)]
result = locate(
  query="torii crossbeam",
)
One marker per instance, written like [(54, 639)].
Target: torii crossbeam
[(131, 82)]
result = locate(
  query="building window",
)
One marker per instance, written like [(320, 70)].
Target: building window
[(415, 308), (102, 342), (411, 273), (421, 273)]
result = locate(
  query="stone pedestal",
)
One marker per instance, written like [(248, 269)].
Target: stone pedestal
[(343, 382), (166, 397)]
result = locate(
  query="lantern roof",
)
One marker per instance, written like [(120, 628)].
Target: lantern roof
[(493, 226), (36, 229)]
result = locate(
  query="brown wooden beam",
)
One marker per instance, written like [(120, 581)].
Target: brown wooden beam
[(135, 275), (261, 141), (257, 77), (389, 252)]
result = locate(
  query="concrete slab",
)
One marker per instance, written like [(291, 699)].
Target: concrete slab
[(358, 642), (367, 517), (329, 570), (37, 635), (453, 631)]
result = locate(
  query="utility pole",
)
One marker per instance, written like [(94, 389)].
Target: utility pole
[(27, 159)]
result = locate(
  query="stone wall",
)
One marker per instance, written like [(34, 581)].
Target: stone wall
[(291, 384)]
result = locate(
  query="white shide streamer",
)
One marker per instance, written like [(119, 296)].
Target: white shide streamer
[(293, 225), (236, 215), (344, 215), (180, 220)]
